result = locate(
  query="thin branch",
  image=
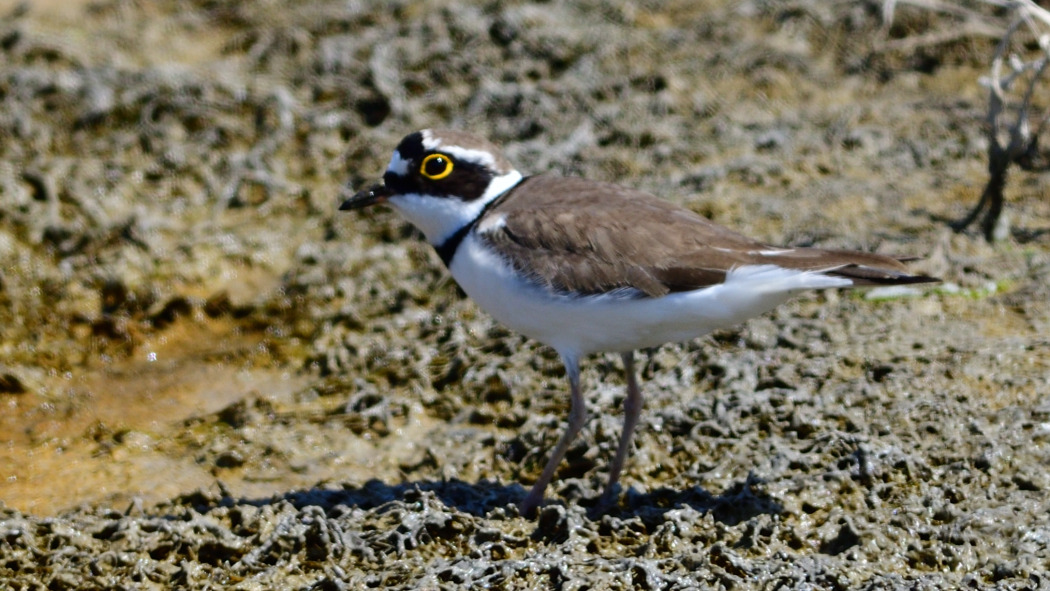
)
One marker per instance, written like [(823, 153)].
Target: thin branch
[(1009, 119)]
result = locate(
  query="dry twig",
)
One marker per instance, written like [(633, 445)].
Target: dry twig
[(1011, 140)]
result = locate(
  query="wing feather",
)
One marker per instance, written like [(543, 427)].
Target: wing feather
[(578, 236)]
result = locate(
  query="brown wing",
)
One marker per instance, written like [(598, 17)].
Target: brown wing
[(575, 235)]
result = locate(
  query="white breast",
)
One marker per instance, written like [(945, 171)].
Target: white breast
[(583, 325)]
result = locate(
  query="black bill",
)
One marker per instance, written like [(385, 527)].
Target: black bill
[(375, 194)]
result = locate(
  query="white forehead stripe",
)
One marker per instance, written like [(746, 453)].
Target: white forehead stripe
[(476, 156), (398, 165), (482, 157)]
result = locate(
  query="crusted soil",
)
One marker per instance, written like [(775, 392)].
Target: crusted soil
[(211, 378)]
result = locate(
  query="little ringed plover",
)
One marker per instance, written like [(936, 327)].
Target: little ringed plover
[(586, 266)]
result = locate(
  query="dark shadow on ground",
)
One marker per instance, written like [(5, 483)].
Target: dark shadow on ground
[(739, 503)]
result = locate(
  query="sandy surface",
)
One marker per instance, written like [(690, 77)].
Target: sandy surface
[(211, 378)]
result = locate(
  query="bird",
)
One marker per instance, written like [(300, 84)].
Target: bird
[(587, 267)]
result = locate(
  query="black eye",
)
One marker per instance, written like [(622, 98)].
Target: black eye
[(436, 167)]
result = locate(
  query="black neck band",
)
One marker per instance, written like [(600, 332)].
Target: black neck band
[(447, 249)]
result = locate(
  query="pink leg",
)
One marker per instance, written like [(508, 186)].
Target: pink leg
[(577, 417), (632, 409)]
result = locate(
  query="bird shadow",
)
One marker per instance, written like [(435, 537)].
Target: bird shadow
[(740, 502)]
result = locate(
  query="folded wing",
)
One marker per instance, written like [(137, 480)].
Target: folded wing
[(594, 238)]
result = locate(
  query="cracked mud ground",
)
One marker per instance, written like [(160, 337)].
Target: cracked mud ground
[(210, 378)]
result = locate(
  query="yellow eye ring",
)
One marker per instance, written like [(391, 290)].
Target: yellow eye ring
[(436, 167)]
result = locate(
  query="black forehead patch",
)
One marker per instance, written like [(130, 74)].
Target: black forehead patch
[(411, 147)]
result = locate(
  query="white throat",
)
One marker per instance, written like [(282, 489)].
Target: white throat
[(440, 217)]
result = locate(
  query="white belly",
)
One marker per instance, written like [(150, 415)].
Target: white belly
[(583, 325)]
